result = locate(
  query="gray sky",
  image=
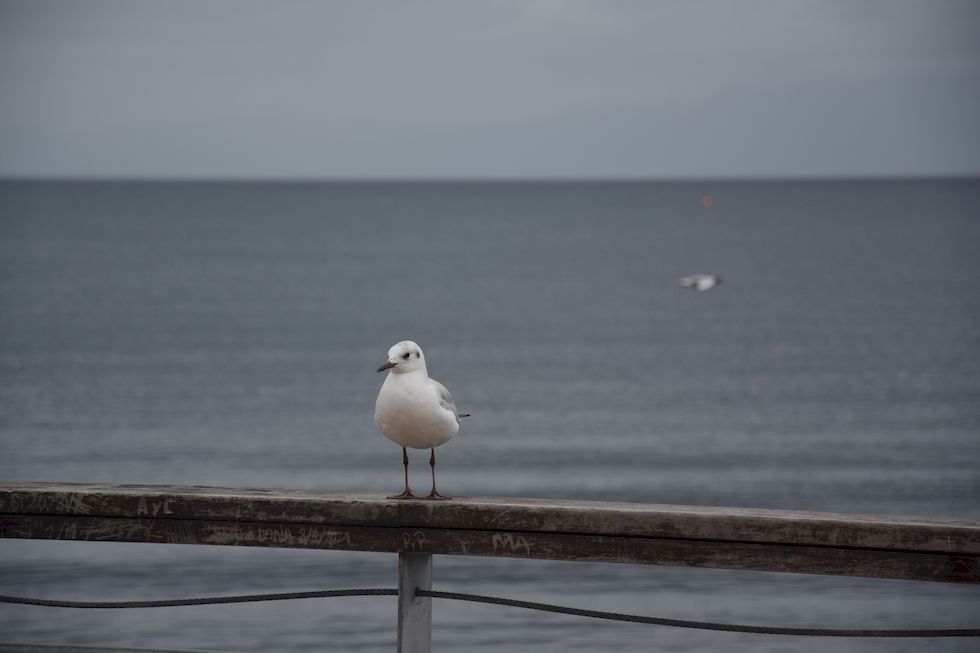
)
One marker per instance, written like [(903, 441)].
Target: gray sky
[(547, 88)]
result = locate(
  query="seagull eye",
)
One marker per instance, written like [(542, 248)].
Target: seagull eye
[(406, 356)]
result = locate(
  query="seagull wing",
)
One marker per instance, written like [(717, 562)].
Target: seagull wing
[(446, 399), (708, 281)]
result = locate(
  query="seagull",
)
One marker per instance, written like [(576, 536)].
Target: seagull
[(413, 410), (700, 282)]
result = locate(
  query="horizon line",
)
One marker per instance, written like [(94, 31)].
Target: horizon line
[(367, 179)]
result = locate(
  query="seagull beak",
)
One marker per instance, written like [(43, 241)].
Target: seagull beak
[(387, 366)]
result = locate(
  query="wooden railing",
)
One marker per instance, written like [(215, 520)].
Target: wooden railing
[(730, 538)]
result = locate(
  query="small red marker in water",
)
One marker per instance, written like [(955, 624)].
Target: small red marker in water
[(707, 201)]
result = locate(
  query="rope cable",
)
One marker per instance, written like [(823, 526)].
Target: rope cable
[(528, 605), (208, 600), (703, 625)]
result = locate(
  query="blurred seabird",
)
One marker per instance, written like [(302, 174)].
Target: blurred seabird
[(700, 282)]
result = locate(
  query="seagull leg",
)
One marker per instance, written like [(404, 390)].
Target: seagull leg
[(407, 494), (432, 464)]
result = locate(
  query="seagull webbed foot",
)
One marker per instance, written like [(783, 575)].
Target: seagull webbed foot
[(407, 494), (435, 496)]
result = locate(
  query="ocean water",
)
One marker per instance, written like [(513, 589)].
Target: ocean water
[(227, 334)]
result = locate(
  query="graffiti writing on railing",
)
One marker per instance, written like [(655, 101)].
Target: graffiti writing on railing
[(145, 508), (511, 542)]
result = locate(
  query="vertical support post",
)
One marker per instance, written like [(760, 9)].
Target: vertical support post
[(414, 613)]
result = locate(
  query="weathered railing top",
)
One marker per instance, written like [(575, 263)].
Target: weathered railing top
[(739, 538)]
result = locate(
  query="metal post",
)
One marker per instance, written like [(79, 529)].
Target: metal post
[(414, 613)]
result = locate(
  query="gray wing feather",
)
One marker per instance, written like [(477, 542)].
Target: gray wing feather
[(446, 399)]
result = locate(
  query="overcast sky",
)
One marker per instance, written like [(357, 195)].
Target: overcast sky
[(547, 88)]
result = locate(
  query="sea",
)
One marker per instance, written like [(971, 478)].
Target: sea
[(227, 334)]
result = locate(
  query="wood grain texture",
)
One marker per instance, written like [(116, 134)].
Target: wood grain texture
[(732, 538), (414, 612)]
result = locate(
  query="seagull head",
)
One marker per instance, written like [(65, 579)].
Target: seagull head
[(405, 356)]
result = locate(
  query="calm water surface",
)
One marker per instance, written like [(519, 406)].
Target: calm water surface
[(227, 334)]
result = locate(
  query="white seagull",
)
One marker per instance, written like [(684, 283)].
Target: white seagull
[(700, 282), (413, 410)]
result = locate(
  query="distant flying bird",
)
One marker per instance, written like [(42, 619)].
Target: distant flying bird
[(700, 282), (413, 410)]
